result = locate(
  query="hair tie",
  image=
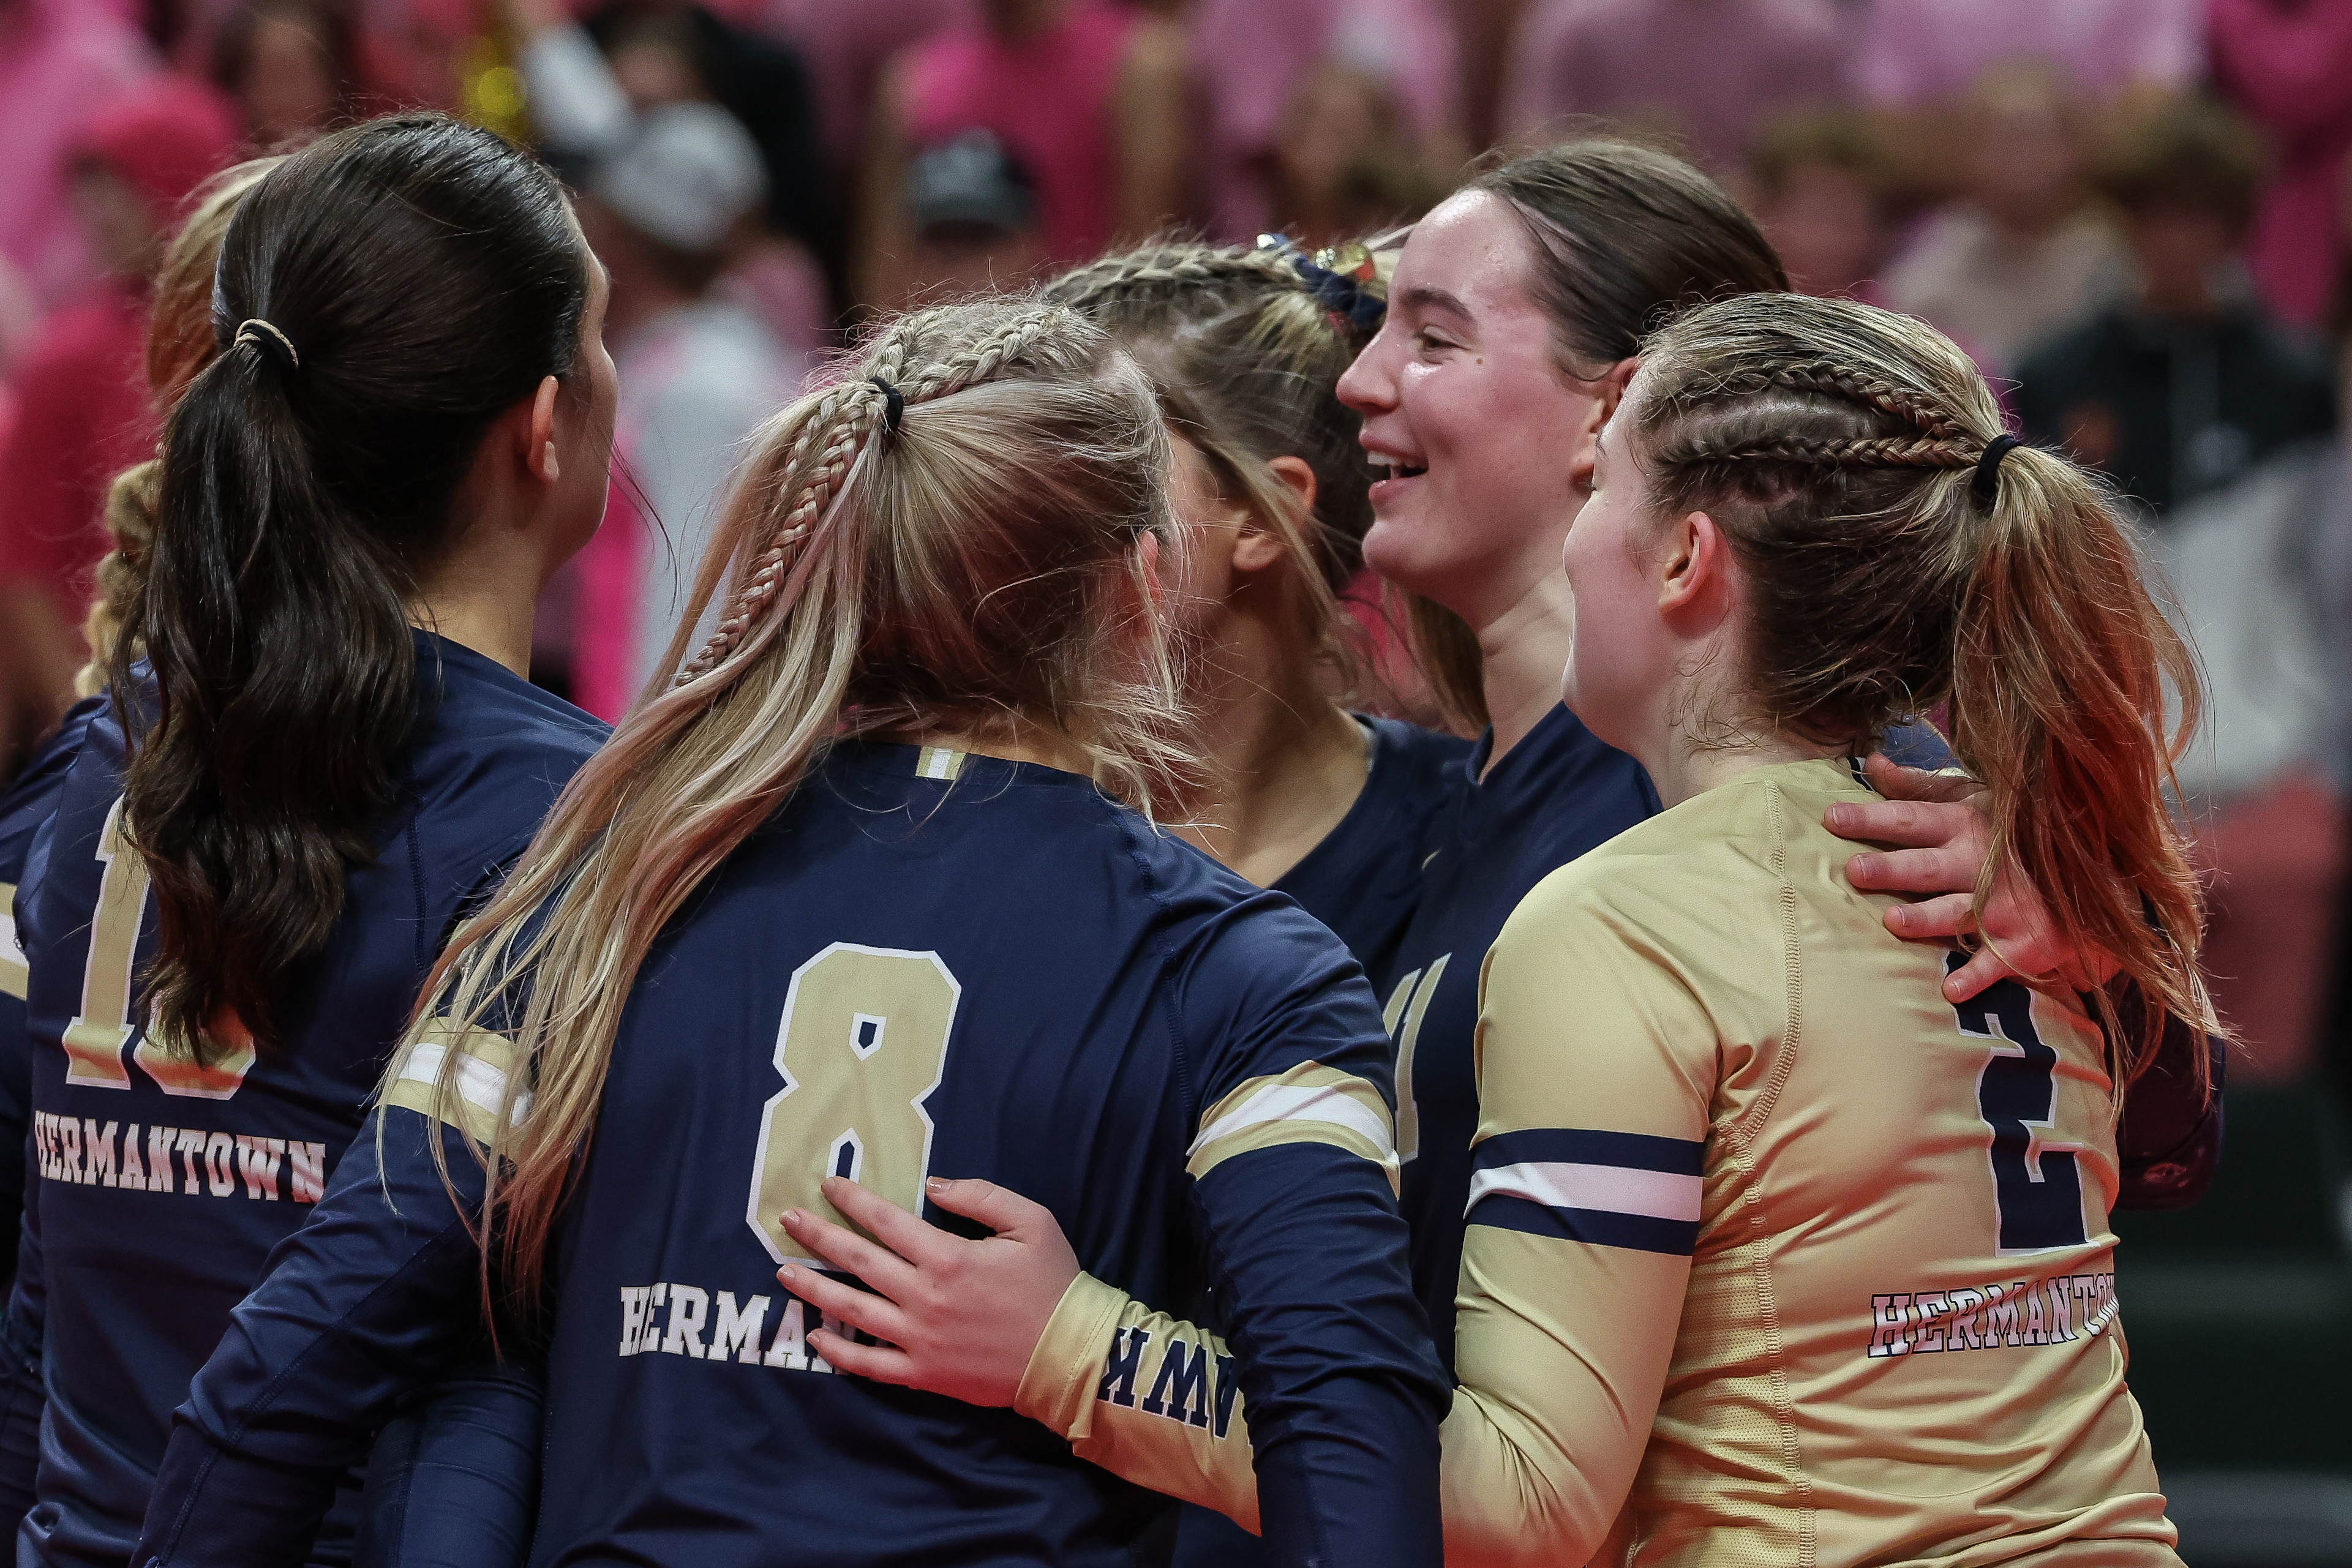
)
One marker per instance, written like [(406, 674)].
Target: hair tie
[(273, 343), (1986, 485), (1337, 278), (894, 407)]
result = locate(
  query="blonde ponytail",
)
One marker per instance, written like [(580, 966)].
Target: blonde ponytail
[(974, 569)]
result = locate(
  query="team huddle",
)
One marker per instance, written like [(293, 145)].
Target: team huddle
[(996, 1060)]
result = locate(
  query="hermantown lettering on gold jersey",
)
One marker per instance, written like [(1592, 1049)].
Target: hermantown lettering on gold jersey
[(1720, 1105)]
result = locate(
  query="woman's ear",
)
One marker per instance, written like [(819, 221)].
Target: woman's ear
[(538, 439), (1258, 547), (1695, 575), (1607, 393)]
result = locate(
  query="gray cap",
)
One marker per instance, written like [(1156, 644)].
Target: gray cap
[(970, 182), (686, 178)]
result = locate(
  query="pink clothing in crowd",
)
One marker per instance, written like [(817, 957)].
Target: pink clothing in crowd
[(1049, 99), (59, 60), (2288, 66), (1915, 51), (845, 46), (1250, 55), (1710, 70)]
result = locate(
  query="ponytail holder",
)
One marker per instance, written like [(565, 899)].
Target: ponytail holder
[(1336, 278), (274, 344), (894, 407), (1986, 485)]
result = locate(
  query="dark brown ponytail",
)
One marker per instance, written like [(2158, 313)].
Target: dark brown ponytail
[(418, 276)]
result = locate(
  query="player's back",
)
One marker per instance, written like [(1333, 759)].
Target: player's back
[(932, 963), (1900, 1341), (160, 1189)]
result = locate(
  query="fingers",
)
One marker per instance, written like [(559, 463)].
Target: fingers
[(917, 1240), (1954, 915), (1896, 782), (1980, 971), (877, 1315), (851, 1253), (1943, 869), (1916, 824), (1001, 1210), (879, 1362)]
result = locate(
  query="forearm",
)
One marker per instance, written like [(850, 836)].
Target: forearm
[(1308, 1249), (376, 1289)]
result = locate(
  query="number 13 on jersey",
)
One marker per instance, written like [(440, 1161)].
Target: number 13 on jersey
[(863, 1044)]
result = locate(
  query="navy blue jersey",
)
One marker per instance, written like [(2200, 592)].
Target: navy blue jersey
[(926, 962), (1363, 880), (1560, 791), (162, 1187), (23, 810)]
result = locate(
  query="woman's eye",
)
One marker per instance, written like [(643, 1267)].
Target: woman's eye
[(1430, 342)]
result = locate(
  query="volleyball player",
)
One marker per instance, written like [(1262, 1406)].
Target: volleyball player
[(1743, 1165), (264, 838), (852, 899)]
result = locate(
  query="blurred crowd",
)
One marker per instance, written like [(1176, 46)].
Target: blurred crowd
[(2133, 212)]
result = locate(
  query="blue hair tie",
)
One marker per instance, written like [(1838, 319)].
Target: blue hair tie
[(1343, 296)]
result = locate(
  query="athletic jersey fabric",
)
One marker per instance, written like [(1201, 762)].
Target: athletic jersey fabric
[(22, 809), (926, 962), (1559, 792), (1363, 880), (161, 1188), (1771, 1250)]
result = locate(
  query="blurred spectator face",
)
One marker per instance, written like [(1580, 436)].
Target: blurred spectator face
[(2025, 170), (974, 218), (1334, 118), (288, 85), (114, 219), (2179, 250), (654, 67), (1826, 224)]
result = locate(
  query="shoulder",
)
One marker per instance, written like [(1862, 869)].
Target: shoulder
[(496, 743), (1708, 852), (1411, 748), (35, 794)]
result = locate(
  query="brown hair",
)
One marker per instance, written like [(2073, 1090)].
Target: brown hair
[(1836, 445), (1248, 359), (976, 569), (1623, 236), (179, 343)]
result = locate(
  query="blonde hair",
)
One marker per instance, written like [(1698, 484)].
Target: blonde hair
[(980, 567), (1837, 446), (1248, 361), (179, 343)]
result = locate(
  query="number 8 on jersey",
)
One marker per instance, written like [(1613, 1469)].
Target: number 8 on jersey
[(862, 1045)]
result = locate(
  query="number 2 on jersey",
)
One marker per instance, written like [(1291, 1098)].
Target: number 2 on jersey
[(2039, 1201), (862, 1045)]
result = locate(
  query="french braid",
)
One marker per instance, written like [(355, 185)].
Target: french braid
[(829, 438)]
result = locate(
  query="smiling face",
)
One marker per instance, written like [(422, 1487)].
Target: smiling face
[(1467, 410)]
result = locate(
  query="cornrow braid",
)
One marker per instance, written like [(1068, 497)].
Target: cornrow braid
[(1832, 452), (1157, 271), (831, 436)]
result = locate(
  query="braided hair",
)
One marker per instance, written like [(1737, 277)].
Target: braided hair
[(1885, 569), (944, 540), (1248, 354)]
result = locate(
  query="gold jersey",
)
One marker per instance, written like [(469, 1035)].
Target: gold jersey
[(1774, 1255)]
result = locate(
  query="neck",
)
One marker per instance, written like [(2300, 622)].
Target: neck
[(487, 598), (1525, 649), (1286, 761), (1684, 766)]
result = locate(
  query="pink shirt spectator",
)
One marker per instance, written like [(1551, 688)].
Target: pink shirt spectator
[(1250, 55), (846, 47), (59, 59), (1711, 70), (1915, 51), (1049, 100), (2289, 68)]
